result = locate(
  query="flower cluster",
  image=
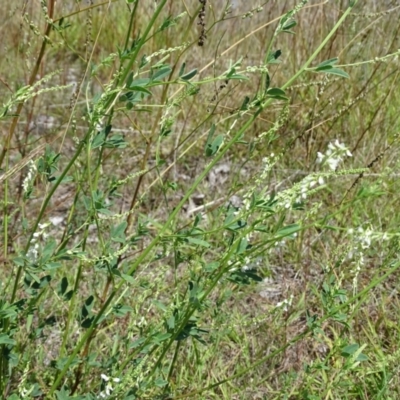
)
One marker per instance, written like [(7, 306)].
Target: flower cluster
[(285, 304), (108, 387), (334, 155), (250, 13), (33, 251), (307, 184), (362, 240), (163, 52), (268, 163), (300, 191), (29, 180)]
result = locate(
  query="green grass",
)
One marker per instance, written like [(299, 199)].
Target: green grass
[(199, 207)]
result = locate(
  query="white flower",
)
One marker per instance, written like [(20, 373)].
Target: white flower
[(109, 388), (333, 163), (335, 154), (56, 220), (285, 304), (30, 177)]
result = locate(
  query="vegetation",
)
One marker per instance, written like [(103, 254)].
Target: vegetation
[(200, 200)]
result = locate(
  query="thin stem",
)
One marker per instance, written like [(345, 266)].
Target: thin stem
[(320, 47)]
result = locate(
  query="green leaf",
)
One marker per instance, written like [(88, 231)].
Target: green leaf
[(242, 246), (141, 89), (63, 290), (267, 81), (236, 225), (48, 250), (161, 73), (104, 211), (182, 69), (350, 349), (61, 362), (140, 82), (160, 382), (118, 232), (37, 283), (49, 266), (288, 25), (330, 62), (170, 322), (288, 230), (211, 267), (277, 93), (210, 137), (168, 22), (245, 277), (129, 79), (16, 397), (160, 337), (198, 242), (245, 103), (197, 220), (115, 142), (327, 66), (98, 140), (212, 148), (128, 278), (354, 350), (239, 76), (120, 310), (5, 339), (136, 343), (8, 311), (336, 71), (19, 261), (159, 305), (63, 394), (362, 357), (273, 57), (189, 75)]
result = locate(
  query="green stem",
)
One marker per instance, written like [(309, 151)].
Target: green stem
[(171, 368), (320, 47), (44, 206), (109, 102)]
